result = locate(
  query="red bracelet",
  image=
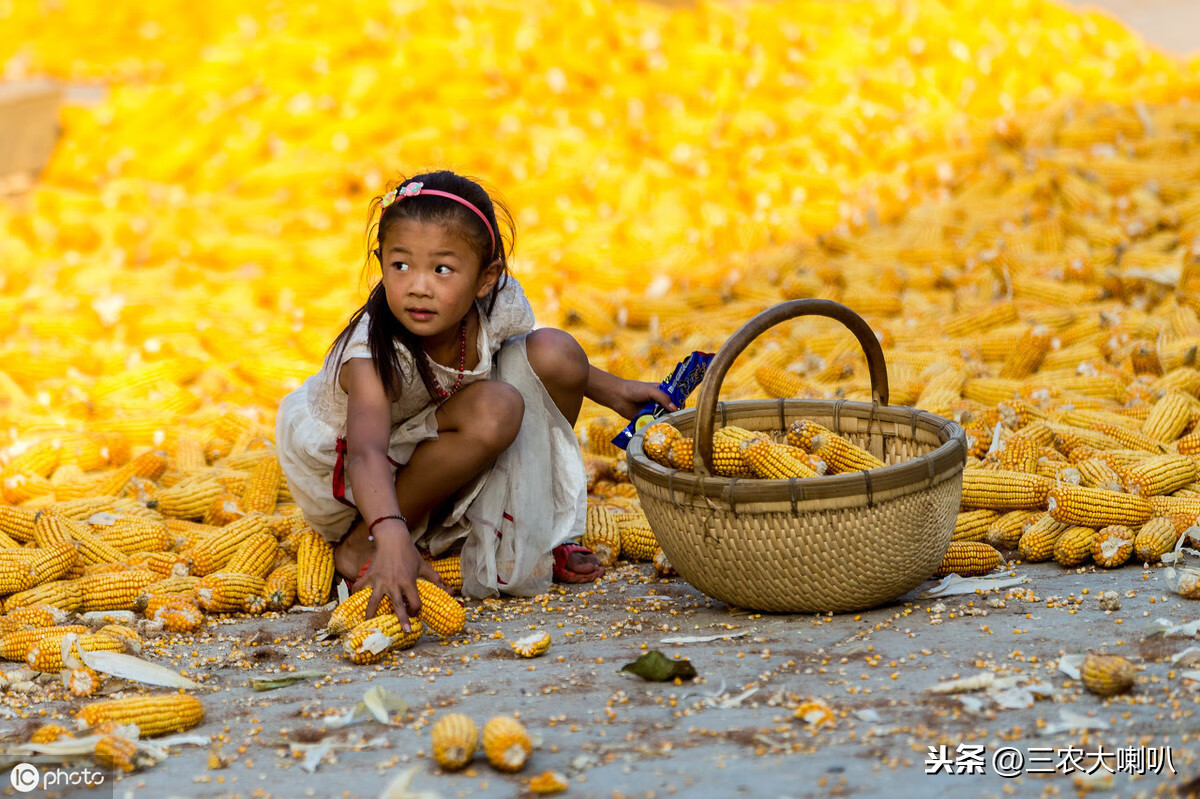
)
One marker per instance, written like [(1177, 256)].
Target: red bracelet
[(371, 526)]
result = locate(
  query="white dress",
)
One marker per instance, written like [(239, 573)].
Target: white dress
[(533, 498)]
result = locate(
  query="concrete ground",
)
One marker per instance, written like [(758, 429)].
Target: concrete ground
[(732, 732)]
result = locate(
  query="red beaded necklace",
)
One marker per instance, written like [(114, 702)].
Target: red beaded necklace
[(442, 394)]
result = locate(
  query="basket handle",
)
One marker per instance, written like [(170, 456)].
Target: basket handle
[(710, 386)]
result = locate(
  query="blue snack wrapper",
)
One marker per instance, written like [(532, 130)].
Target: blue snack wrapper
[(682, 381)]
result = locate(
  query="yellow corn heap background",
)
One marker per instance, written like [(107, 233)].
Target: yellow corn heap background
[(1008, 192)]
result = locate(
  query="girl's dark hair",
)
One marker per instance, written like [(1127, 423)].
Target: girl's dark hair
[(385, 329)]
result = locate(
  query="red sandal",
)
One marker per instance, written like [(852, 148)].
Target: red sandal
[(561, 553)]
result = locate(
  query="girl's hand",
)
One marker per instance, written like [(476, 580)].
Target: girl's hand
[(627, 397), (393, 573)]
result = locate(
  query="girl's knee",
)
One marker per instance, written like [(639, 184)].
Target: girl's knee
[(557, 358), (493, 415)]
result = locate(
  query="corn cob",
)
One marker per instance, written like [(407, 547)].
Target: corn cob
[(602, 535), (314, 577), (53, 563), (39, 459), (771, 461), (599, 435), (1040, 432), (352, 612), (1113, 546), (1169, 417), (215, 551), (32, 616), (440, 612), (135, 535), (1025, 358), (188, 455), (18, 523), (1067, 439), (150, 465), (168, 564), (184, 535), (802, 432), (16, 645), (153, 715), (371, 640), (178, 615), (226, 591), (1018, 455), (115, 590), (80, 509), (728, 458), (115, 629), (680, 455), (46, 654), (776, 382), (1159, 475), (969, 558), (1039, 539), (1156, 538), (51, 529), (532, 645), (93, 550), (973, 525), (262, 490), (453, 740), (64, 594), (506, 743), (1130, 438), (116, 753), (1161, 506), (255, 604), (1074, 546), (1095, 507), (1107, 675), (170, 586), (189, 499), (449, 569), (1002, 490), (1059, 471), (1006, 532), (156, 602), (15, 576), (1186, 445), (657, 439), (1096, 473), (281, 587), (226, 507), (255, 555), (638, 541), (49, 733)]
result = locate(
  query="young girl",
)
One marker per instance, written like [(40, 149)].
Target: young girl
[(441, 416)]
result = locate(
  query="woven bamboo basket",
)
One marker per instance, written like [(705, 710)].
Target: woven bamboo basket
[(837, 543)]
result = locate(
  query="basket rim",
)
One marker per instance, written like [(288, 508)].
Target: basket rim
[(921, 472)]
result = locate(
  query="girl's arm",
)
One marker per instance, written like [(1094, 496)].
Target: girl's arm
[(396, 562), (626, 397)]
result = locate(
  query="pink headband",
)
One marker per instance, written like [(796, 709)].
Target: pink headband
[(417, 189)]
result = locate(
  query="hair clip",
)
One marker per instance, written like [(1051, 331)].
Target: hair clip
[(409, 190)]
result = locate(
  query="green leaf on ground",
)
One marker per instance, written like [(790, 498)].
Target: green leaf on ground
[(283, 681), (657, 667)]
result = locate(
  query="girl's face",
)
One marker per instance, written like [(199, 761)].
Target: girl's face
[(432, 276)]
